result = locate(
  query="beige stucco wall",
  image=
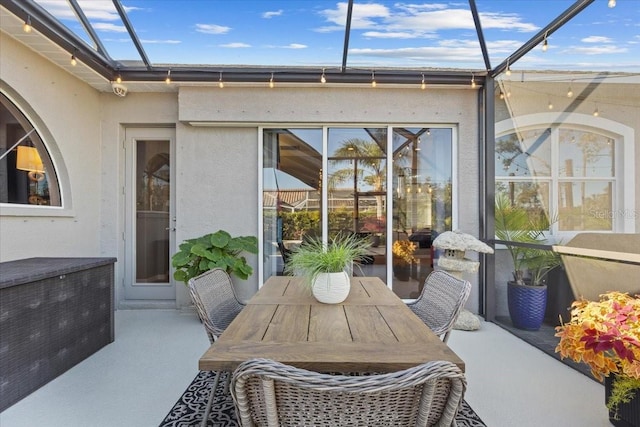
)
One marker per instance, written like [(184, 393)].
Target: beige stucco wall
[(217, 164), (232, 116), (67, 115)]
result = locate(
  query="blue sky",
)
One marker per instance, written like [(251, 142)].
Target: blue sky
[(412, 34)]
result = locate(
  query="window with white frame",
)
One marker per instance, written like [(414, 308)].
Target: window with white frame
[(27, 175), (573, 171)]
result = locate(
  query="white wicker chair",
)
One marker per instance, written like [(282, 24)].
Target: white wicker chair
[(269, 393), (441, 301), (217, 305)]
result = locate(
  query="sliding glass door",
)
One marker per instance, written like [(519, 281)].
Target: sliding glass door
[(318, 182)]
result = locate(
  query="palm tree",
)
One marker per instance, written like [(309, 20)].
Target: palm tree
[(369, 165)]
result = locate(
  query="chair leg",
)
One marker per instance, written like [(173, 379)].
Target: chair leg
[(207, 410)]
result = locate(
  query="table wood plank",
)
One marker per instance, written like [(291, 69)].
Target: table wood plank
[(367, 326), (289, 324), (372, 330), (329, 324)]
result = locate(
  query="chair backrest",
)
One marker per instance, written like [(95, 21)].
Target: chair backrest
[(441, 301), (215, 300), (269, 393)]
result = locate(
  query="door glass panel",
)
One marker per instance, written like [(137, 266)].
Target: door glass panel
[(152, 211), (292, 192), (422, 202), (357, 188)]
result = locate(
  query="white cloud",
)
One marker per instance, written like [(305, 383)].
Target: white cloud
[(415, 20), (296, 46), (363, 15), (108, 27), (269, 15), (388, 35), (597, 50), (596, 39), (160, 41), (236, 45), (506, 21), (212, 29)]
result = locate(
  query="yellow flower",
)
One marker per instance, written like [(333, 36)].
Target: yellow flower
[(604, 334), (404, 249)]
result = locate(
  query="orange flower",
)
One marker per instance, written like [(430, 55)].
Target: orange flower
[(604, 334)]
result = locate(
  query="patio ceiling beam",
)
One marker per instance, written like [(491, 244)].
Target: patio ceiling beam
[(89, 28), (483, 45), (347, 34), (297, 75), (51, 28), (562, 19), (132, 33)]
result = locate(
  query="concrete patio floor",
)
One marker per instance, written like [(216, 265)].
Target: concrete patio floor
[(136, 380)]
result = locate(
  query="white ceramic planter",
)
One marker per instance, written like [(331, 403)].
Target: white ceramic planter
[(331, 288)]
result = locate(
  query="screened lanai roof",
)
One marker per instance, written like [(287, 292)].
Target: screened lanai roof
[(350, 41)]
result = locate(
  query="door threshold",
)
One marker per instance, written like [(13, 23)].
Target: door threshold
[(147, 304)]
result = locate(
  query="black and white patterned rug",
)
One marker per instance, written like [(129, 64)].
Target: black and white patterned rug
[(188, 410)]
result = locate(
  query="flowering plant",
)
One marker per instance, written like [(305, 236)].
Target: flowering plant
[(605, 335), (403, 249)]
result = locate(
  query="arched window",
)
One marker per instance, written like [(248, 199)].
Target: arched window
[(27, 175), (579, 171)]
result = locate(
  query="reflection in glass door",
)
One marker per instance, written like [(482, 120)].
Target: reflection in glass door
[(357, 191), (150, 222), (422, 203), (399, 211), (291, 193)]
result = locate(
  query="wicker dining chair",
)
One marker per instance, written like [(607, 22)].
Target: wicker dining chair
[(213, 295), (269, 393), (441, 301)]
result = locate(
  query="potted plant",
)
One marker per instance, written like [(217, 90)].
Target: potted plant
[(403, 259), (526, 295), (325, 266), (214, 250), (605, 335)]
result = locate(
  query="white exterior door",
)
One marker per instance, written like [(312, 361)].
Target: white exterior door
[(149, 214)]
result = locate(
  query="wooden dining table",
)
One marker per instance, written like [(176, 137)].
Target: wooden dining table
[(371, 331)]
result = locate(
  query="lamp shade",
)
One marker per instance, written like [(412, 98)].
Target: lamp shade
[(28, 159)]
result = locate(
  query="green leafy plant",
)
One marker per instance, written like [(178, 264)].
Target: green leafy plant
[(214, 250), (314, 256), (516, 224)]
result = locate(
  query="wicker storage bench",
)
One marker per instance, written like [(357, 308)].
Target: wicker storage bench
[(54, 313)]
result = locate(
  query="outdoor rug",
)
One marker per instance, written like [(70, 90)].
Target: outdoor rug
[(188, 410)]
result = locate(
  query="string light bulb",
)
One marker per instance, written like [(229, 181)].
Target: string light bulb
[(596, 112), (168, 79), (74, 61), (501, 95), (220, 82), (508, 71), (545, 43), (423, 85), (373, 79), (570, 92), (473, 81), (271, 83), (118, 78), (323, 78), (27, 25), (550, 105), (612, 3)]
